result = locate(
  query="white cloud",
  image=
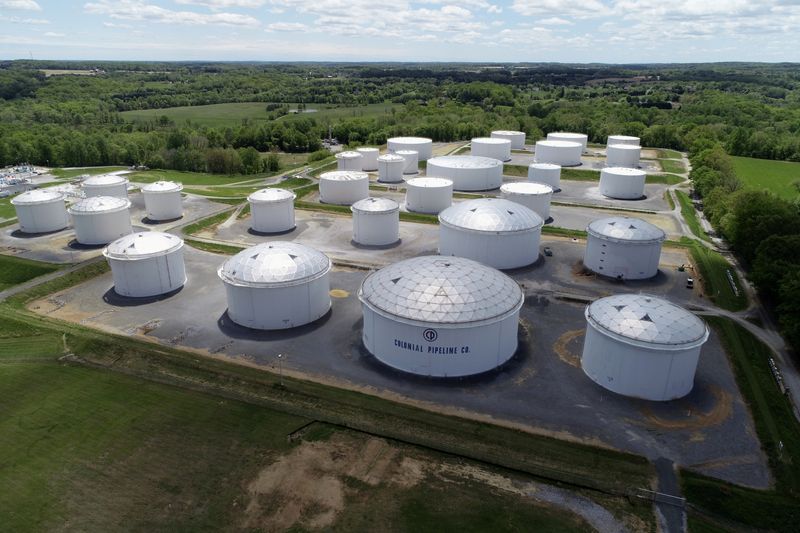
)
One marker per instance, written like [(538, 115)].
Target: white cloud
[(20, 20), (555, 21), (223, 4), (54, 34), (141, 11), (25, 5), (287, 26), (584, 9)]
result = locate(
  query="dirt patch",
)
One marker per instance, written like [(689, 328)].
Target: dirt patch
[(565, 347), (339, 293), (720, 410)]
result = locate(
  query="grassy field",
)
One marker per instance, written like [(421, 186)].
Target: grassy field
[(672, 166), (690, 215), (75, 172), (242, 192), (712, 270), (195, 178), (776, 176), (16, 270), (664, 153), (574, 174), (6, 209)]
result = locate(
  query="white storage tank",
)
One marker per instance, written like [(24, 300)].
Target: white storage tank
[(163, 200), (390, 168), (41, 211), (517, 138), (623, 247), (622, 183), (276, 285), (623, 139), (369, 158), (642, 346), (429, 195), (545, 173), (440, 316), (623, 155), (534, 196), (491, 147), (146, 264), (376, 221), (101, 219), (564, 153), (411, 158), (343, 187), (105, 185), (467, 172), (422, 145), (493, 231), (349, 160), (581, 138), (272, 210)]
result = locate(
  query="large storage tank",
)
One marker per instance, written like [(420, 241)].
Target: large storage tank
[(146, 264), (622, 183), (41, 211), (491, 147), (623, 139), (411, 158), (642, 346), (105, 185), (423, 146), (390, 168), (517, 138), (545, 173), (369, 158), (564, 153), (276, 285), (101, 219), (343, 187), (349, 160), (272, 210), (623, 155), (534, 196), (623, 247), (163, 200), (467, 172), (581, 138), (376, 221), (493, 231), (429, 195), (440, 316)]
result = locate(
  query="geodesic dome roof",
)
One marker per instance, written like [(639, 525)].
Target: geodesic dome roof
[(626, 229), (143, 245), (163, 186), (105, 179), (375, 205), (37, 196), (271, 195), (490, 214), (274, 264), (99, 204)]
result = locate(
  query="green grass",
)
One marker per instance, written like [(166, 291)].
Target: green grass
[(777, 177), (712, 268), (672, 166), (193, 178), (6, 209), (75, 172), (669, 200), (243, 192), (689, 215), (574, 174), (664, 153), (16, 270), (207, 222), (214, 248)]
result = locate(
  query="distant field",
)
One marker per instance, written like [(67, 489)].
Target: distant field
[(75, 172), (193, 178), (775, 176)]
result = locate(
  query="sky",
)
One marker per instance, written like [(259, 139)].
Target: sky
[(574, 31)]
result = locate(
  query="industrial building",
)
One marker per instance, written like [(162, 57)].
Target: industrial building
[(440, 316), (276, 285), (411, 158), (545, 173), (623, 139), (390, 168), (581, 138), (369, 158), (534, 196), (376, 221), (517, 138), (422, 145), (272, 210), (467, 172), (623, 247), (146, 264), (105, 185), (349, 160), (493, 231), (623, 155), (564, 153), (163, 200), (343, 187), (622, 183), (41, 211), (491, 147), (101, 219), (429, 195), (642, 346)]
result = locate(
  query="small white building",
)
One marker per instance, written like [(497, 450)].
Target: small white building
[(545, 173), (429, 195), (411, 158), (623, 247), (467, 172), (493, 147), (623, 155), (493, 231), (390, 168), (623, 139), (101, 219), (422, 145), (369, 158), (642, 346), (376, 221), (105, 185), (146, 264), (343, 187), (517, 138), (163, 200), (581, 138), (276, 285), (534, 196), (272, 210), (41, 211), (440, 316), (622, 183), (564, 153), (350, 160)]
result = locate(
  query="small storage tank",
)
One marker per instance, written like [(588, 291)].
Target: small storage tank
[(422, 145), (564, 153), (429, 195), (534, 196), (623, 247), (491, 147), (440, 316), (272, 210), (276, 285), (101, 219), (41, 211), (163, 200), (517, 138), (545, 173), (376, 221), (369, 158), (622, 183), (411, 158), (642, 346), (390, 168), (493, 231), (581, 138), (350, 160), (623, 155), (146, 264), (468, 172), (623, 139), (343, 187), (105, 185)]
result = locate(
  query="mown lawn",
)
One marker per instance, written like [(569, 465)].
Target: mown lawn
[(777, 177), (672, 166), (713, 270), (75, 172), (16, 270), (689, 215), (193, 178)]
